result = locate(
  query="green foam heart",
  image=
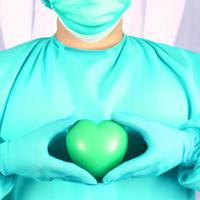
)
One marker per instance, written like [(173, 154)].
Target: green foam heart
[(98, 148)]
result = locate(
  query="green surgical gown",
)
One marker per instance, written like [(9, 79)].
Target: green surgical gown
[(43, 80)]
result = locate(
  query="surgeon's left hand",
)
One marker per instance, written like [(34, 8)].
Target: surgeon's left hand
[(167, 148)]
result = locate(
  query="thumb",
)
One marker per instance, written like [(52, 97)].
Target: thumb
[(60, 125)]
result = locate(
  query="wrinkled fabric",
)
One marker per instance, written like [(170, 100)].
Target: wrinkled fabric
[(44, 80)]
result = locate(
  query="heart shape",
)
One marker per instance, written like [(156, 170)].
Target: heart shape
[(98, 148)]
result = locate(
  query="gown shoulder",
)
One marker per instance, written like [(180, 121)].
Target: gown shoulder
[(18, 52), (12, 60), (179, 59)]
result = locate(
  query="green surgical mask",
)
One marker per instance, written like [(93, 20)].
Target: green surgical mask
[(89, 20)]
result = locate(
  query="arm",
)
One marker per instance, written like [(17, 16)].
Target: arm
[(187, 65), (189, 173), (184, 151)]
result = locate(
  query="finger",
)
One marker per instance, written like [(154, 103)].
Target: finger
[(150, 171), (130, 120), (71, 179), (154, 170), (60, 125), (136, 123), (124, 177), (131, 166), (65, 169), (76, 180), (50, 175), (44, 178)]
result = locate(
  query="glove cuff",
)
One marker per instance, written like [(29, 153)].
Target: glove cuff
[(193, 155), (3, 158)]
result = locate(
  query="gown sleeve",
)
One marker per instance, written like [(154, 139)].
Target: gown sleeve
[(6, 185), (9, 68), (189, 172), (11, 63), (6, 182), (186, 65), (188, 70)]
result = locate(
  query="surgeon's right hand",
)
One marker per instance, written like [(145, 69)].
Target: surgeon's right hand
[(28, 156)]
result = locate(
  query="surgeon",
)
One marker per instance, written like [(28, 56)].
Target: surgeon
[(90, 69)]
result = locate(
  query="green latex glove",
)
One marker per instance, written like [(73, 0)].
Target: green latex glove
[(28, 156), (167, 148)]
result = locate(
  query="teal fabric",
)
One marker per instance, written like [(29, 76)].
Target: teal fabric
[(44, 80), (74, 14)]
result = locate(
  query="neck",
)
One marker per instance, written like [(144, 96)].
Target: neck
[(65, 37)]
